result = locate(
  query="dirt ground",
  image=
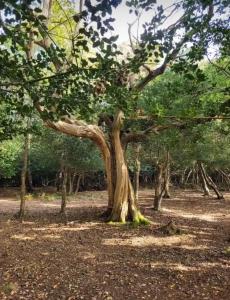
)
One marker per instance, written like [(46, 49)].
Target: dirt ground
[(88, 259)]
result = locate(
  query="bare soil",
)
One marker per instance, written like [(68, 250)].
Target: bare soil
[(89, 259)]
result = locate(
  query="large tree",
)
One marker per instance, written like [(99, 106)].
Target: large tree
[(82, 85)]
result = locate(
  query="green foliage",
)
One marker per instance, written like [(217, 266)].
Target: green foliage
[(63, 78), (175, 100), (74, 69), (10, 157), (51, 149)]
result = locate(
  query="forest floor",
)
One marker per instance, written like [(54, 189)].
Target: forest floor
[(88, 259)]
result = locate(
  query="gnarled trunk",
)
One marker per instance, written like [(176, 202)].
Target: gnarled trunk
[(124, 202), (94, 133), (121, 203)]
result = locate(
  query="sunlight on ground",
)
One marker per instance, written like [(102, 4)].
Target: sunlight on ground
[(51, 236), (66, 228), (88, 255), (23, 237), (210, 217), (173, 266), (151, 240), (28, 223), (182, 267), (196, 247)]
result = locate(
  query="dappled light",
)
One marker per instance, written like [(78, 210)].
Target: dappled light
[(214, 217), (128, 255), (23, 237), (77, 227), (151, 240)]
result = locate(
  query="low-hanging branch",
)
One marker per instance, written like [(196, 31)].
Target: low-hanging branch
[(153, 117), (142, 135)]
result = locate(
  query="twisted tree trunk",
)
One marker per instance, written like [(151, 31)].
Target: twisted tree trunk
[(124, 202), (121, 199)]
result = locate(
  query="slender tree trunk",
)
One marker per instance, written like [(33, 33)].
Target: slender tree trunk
[(21, 213), (137, 169), (211, 184), (59, 180), (29, 177), (225, 177), (167, 176), (203, 181), (215, 188), (70, 179), (158, 188), (64, 184), (193, 176), (188, 176), (182, 181), (78, 184)]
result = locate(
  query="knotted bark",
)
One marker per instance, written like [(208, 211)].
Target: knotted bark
[(124, 202)]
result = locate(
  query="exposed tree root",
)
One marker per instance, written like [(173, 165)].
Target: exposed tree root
[(171, 229), (137, 221)]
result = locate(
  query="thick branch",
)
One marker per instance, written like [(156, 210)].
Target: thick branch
[(172, 53)]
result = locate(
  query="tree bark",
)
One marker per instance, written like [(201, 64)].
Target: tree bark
[(137, 169), (167, 176), (70, 181), (64, 184), (21, 213), (94, 133), (121, 201), (29, 177), (78, 184), (225, 177), (159, 190), (211, 184), (124, 202), (182, 180), (203, 181), (188, 176)]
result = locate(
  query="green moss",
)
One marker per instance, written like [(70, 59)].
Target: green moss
[(141, 221), (8, 288), (138, 220), (227, 251), (116, 223)]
